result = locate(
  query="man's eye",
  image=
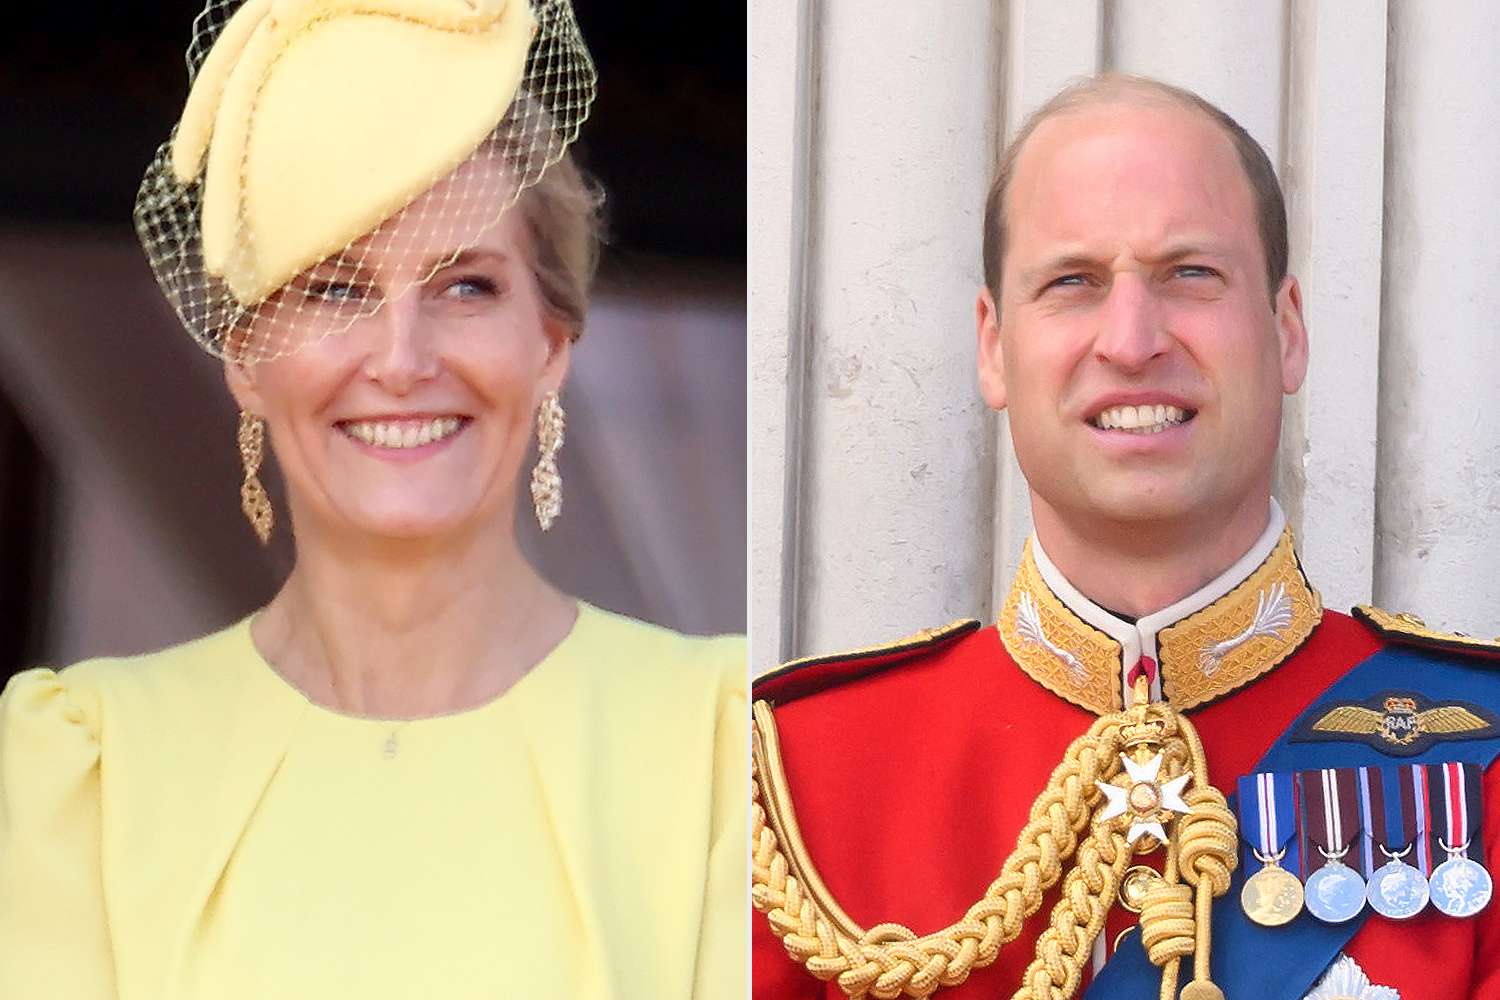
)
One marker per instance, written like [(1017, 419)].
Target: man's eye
[(1068, 280), (1195, 271)]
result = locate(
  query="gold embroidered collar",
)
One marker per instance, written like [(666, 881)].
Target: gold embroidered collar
[(1218, 639)]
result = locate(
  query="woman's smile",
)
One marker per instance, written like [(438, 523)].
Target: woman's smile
[(409, 436)]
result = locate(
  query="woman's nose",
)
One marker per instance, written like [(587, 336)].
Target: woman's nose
[(402, 348)]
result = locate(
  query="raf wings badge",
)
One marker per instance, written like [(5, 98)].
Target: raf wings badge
[(1399, 723)]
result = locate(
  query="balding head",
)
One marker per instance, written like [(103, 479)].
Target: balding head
[(1116, 88)]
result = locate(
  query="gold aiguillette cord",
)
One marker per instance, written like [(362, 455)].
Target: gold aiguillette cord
[(1142, 751)]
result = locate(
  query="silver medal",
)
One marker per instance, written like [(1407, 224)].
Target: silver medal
[(1461, 887), (1335, 893), (1397, 890)]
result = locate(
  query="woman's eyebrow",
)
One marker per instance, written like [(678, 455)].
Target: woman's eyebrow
[(475, 255), (335, 271)]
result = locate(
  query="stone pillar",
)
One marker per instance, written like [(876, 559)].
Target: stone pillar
[(1437, 523)]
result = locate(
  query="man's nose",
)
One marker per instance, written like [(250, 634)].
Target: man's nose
[(1130, 333), (402, 348)]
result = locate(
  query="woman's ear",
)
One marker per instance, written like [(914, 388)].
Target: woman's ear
[(240, 378), (559, 357)]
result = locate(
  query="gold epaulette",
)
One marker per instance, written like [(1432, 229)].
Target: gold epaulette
[(798, 677), (1406, 629)]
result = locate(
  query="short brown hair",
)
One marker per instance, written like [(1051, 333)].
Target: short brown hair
[(1270, 207)]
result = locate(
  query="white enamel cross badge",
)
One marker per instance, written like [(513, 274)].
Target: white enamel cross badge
[(1148, 801)]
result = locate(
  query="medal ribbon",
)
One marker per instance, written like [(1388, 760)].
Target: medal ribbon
[(1368, 808), (1398, 810), (1268, 817), (1415, 813), (1331, 809), (1455, 805)]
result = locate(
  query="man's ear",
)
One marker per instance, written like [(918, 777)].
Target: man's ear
[(1291, 332), (240, 378), (991, 354)]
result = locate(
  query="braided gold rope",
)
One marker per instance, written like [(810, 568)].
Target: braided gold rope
[(889, 960), (1065, 946)]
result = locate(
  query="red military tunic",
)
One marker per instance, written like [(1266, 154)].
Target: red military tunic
[(912, 769)]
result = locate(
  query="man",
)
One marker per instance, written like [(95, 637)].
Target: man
[(919, 803)]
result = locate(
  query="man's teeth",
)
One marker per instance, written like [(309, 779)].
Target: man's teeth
[(1144, 419), (402, 433)]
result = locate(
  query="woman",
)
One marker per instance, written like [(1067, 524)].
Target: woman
[(420, 770)]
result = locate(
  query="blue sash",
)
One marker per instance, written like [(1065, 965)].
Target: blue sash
[(1306, 947)]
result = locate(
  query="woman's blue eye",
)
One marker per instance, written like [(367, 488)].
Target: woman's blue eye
[(473, 286), (337, 291)]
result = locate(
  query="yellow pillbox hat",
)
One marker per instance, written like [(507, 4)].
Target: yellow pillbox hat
[(311, 122)]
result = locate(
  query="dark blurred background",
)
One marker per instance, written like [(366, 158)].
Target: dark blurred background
[(120, 528)]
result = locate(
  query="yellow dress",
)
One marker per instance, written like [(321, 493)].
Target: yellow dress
[(188, 826)]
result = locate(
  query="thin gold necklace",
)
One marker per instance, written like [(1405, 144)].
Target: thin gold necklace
[(391, 747)]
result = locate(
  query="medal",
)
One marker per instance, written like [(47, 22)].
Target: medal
[(1335, 892), (1461, 886), (1331, 815), (1271, 896), (1398, 890)]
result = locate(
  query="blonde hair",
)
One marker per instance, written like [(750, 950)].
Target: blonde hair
[(1107, 88), (563, 212)]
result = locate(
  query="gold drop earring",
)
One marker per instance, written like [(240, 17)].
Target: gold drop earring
[(546, 484), (253, 498)]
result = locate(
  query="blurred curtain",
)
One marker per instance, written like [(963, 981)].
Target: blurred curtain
[(25, 538)]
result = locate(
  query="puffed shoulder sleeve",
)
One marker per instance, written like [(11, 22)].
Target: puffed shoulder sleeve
[(54, 939), (722, 964)]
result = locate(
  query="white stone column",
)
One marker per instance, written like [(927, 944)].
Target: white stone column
[(1438, 497), (1230, 53), (896, 446), (1333, 177), (780, 123)]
